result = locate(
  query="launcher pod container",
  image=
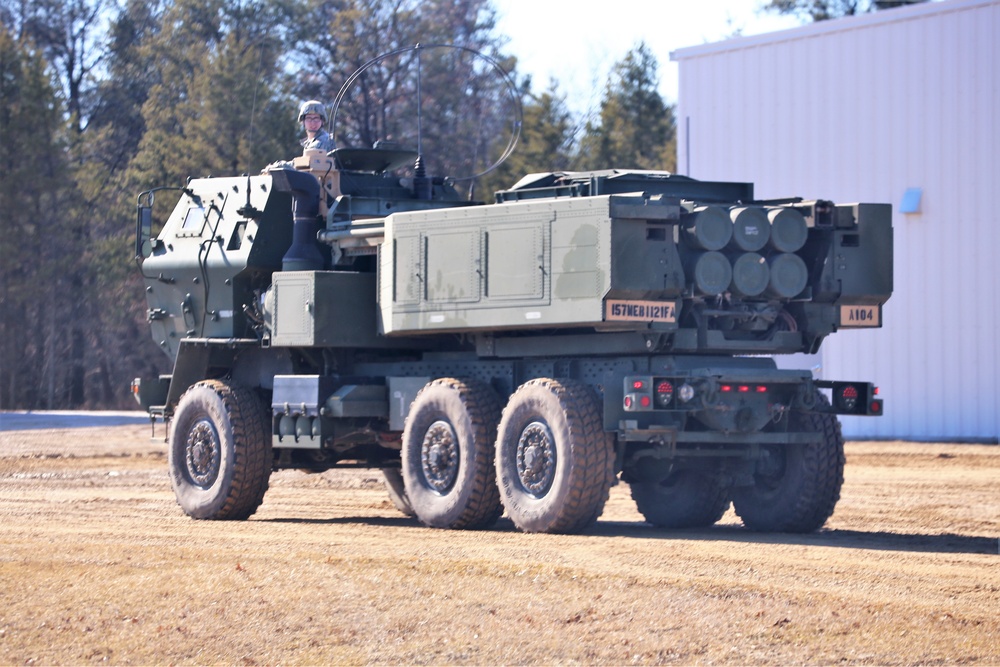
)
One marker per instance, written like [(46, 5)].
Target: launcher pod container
[(522, 356)]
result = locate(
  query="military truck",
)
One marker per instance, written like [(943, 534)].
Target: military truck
[(523, 356)]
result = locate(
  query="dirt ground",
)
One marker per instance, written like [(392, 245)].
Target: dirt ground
[(98, 564)]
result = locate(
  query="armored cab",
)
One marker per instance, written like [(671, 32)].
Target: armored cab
[(209, 261)]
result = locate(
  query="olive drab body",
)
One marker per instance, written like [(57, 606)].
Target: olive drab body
[(635, 256), (583, 327)]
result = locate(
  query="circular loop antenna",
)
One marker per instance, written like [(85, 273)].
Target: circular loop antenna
[(515, 133)]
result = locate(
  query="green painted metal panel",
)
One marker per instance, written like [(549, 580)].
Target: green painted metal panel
[(323, 309), (454, 260), (515, 275)]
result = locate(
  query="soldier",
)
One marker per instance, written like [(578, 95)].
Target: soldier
[(312, 115)]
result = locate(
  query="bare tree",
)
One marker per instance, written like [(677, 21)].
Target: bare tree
[(465, 109)]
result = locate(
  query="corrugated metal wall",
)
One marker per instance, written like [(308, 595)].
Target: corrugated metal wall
[(860, 109)]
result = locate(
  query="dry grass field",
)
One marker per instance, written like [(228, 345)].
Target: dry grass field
[(99, 565)]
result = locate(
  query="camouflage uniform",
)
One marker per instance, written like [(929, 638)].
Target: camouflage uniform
[(322, 141)]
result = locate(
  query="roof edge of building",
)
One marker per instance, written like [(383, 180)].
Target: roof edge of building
[(835, 25)]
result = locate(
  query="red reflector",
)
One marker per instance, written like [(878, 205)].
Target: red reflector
[(645, 401), (744, 388), (761, 389), (876, 406), (628, 402), (726, 387)]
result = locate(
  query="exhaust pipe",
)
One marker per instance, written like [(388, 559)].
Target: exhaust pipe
[(304, 253)]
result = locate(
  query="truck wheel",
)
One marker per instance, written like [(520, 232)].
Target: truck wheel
[(797, 487), (448, 441), (397, 490), (554, 461), (220, 451), (685, 499)]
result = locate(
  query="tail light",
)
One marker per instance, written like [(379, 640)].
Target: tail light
[(875, 404), (649, 393), (634, 402), (664, 393), (853, 398), (743, 388), (848, 398)]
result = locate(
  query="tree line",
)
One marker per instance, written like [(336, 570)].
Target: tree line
[(103, 99)]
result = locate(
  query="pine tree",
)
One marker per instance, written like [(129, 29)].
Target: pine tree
[(217, 105), (35, 249), (546, 142), (634, 128)]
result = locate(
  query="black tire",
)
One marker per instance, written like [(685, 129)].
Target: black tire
[(448, 441), (797, 487), (685, 499), (555, 463), (397, 490), (220, 451)]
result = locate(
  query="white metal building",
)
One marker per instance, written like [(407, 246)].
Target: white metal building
[(896, 105)]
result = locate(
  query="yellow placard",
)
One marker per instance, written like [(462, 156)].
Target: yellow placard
[(860, 316), (640, 311)]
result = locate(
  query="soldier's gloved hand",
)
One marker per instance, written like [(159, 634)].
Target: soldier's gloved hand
[(280, 164)]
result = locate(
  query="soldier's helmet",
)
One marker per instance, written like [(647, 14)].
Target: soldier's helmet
[(312, 106)]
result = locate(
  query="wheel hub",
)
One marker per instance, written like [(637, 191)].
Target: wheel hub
[(203, 453), (439, 456), (536, 459), (770, 468)]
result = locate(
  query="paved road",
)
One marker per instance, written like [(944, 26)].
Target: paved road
[(33, 420)]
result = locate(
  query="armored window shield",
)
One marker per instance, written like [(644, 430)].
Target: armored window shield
[(143, 231), (194, 222)]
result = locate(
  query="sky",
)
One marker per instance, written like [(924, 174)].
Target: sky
[(576, 42)]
